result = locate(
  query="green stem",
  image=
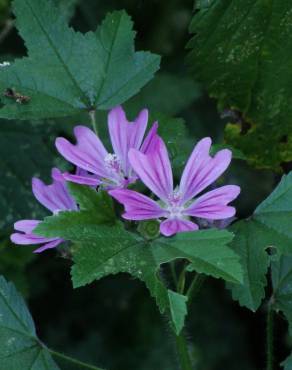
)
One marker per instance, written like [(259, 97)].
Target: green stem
[(195, 286), (173, 273), (93, 121), (183, 352), (270, 337), (73, 360), (182, 279)]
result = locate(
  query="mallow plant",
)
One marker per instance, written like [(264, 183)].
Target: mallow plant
[(122, 204), (101, 175)]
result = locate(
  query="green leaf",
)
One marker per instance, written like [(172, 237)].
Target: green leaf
[(101, 249), (19, 346), (90, 200), (178, 309), (270, 226), (237, 48), (282, 293), (72, 72), (282, 287), (96, 208), (251, 242), (287, 364), (207, 251), (111, 250), (66, 8)]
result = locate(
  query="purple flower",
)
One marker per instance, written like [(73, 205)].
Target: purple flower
[(101, 167), (179, 204), (54, 197)]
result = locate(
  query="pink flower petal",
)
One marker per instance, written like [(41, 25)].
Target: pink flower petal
[(118, 130), (202, 170), (83, 180), (213, 205), (137, 206), (136, 130), (172, 226), (26, 226), (126, 135), (150, 141), (154, 169), (89, 152), (49, 245), (29, 239), (55, 196)]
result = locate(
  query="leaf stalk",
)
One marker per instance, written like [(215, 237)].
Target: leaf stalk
[(93, 121), (270, 337), (72, 360), (183, 352)]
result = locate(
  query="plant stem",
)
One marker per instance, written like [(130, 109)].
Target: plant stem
[(183, 352), (182, 281), (270, 337), (73, 360), (93, 121), (8, 27), (195, 286), (173, 273)]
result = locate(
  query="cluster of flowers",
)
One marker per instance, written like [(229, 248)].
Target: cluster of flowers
[(133, 159)]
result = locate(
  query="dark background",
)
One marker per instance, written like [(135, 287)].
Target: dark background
[(114, 323)]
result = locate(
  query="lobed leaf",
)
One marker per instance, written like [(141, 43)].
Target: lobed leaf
[(67, 72), (20, 349), (270, 226), (282, 287), (178, 309), (101, 248), (287, 364), (241, 53)]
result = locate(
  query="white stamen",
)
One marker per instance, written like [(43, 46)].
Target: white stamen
[(111, 158), (174, 207), (175, 211), (4, 64)]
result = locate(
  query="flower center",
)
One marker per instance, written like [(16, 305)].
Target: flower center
[(117, 176), (113, 163), (174, 207), (175, 211)]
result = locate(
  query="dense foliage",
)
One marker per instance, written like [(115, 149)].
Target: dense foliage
[(194, 278)]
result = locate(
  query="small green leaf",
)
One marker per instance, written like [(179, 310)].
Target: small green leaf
[(66, 8), (178, 309), (95, 208), (287, 364), (20, 349), (207, 251), (102, 248), (112, 250), (282, 287), (270, 226), (89, 199), (251, 242), (72, 72)]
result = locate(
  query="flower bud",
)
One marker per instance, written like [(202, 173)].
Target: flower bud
[(149, 229)]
